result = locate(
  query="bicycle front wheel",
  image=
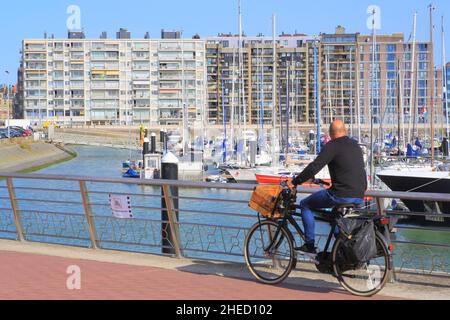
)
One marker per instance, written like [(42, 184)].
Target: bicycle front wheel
[(361, 279), (269, 252)]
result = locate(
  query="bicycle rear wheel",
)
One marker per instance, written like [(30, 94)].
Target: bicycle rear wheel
[(361, 279), (269, 265)]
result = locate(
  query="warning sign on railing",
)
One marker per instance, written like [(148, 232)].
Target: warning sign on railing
[(121, 206)]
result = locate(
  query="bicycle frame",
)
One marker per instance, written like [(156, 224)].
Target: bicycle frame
[(290, 217)]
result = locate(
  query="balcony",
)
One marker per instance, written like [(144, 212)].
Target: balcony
[(141, 56), (142, 96), (104, 57), (170, 105), (35, 47), (170, 97), (171, 77), (141, 67), (141, 47)]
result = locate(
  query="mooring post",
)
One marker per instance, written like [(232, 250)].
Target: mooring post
[(169, 207), (153, 143)]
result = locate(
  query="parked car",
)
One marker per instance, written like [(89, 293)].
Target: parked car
[(13, 133), (26, 132)]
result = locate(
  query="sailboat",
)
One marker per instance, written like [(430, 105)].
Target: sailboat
[(132, 168), (429, 178)]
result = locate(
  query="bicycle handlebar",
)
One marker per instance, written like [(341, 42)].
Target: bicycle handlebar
[(290, 194), (320, 182)]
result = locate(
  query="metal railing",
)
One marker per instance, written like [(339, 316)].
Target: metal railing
[(178, 218)]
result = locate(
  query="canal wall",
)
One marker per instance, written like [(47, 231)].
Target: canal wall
[(25, 155)]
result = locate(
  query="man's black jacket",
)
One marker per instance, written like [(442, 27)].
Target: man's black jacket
[(345, 162)]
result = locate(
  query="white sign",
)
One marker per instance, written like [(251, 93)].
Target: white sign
[(121, 206)]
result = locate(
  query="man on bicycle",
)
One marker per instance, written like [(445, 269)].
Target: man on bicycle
[(345, 162)]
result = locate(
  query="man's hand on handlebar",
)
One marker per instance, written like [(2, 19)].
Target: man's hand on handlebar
[(319, 182)]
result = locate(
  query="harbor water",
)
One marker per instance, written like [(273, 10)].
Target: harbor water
[(200, 231)]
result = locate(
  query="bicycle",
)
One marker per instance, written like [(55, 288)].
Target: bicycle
[(271, 254)]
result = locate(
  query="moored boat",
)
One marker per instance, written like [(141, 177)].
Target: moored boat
[(426, 180)]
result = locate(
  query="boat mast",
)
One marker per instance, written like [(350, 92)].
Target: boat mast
[(233, 79), (241, 76), (342, 94), (287, 110), (415, 129), (316, 76), (432, 83), (262, 138), (224, 111), (372, 169), (413, 57), (330, 103), (281, 133), (444, 80), (399, 107), (242, 79), (358, 105), (351, 93), (274, 91)]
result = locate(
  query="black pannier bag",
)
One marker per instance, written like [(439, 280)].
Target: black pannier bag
[(359, 239)]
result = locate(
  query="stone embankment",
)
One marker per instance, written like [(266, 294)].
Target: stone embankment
[(26, 155)]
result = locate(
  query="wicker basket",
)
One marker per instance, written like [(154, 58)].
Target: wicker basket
[(265, 200)]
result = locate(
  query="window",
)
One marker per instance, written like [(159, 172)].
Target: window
[(391, 48), (391, 57), (422, 46)]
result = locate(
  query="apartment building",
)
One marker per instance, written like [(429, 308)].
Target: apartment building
[(114, 81), (338, 76), (216, 79), (246, 93), (378, 80), (446, 91), (5, 104)]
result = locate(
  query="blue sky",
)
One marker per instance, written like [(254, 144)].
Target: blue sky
[(30, 19)]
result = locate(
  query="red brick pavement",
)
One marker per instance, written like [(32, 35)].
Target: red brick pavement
[(32, 276)]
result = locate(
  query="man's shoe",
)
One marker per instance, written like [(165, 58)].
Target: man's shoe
[(308, 250)]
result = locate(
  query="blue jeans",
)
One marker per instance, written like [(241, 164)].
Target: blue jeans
[(320, 200)]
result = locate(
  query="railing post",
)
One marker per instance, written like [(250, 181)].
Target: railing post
[(174, 235), (88, 214), (15, 209), (381, 212)]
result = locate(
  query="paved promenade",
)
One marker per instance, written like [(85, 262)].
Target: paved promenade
[(26, 274)]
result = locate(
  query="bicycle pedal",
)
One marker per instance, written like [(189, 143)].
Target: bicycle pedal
[(312, 256)]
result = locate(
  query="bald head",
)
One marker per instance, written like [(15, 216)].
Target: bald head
[(338, 129)]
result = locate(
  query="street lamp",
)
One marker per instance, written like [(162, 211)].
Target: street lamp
[(8, 105)]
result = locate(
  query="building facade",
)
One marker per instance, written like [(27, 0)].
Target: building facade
[(219, 80), (114, 81), (265, 79), (446, 91), (6, 103)]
